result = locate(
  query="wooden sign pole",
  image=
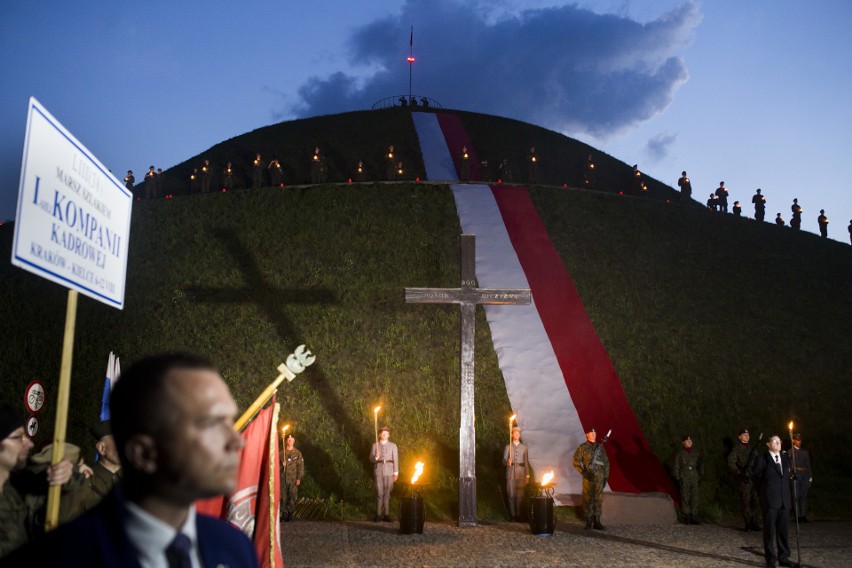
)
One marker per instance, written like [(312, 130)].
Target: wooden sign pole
[(59, 428)]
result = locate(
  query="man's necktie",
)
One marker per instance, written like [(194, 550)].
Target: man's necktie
[(178, 552), (778, 463)]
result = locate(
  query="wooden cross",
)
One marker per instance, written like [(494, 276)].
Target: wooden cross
[(468, 296)]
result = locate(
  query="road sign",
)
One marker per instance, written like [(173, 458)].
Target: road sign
[(34, 397), (32, 426), (73, 218)]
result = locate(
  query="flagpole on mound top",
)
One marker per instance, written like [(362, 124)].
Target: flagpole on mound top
[(410, 59), (59, 428)]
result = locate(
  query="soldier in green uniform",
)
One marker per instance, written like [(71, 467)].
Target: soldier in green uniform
[(292, 471), (151, 183), (688, 468), (14, 447), (591, 461), (257, 172), (804, 476), (740, 462), (105, 473)]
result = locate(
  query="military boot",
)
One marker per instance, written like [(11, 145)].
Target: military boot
[(597, 524), (589, 521)]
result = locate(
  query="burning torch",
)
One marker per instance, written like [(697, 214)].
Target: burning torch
[(376, 427)]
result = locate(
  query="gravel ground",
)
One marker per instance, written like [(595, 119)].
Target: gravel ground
[(354, 543)]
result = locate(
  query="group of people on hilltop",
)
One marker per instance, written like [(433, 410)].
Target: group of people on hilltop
[(718, 201)]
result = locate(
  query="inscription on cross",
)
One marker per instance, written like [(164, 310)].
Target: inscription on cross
[(468, 296)]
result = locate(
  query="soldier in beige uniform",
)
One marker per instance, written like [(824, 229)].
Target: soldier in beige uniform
[(385, 459), (516, 460)]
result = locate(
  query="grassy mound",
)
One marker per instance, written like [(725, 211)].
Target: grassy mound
[(712, 323)]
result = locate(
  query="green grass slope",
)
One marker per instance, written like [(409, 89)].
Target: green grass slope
[(712, 323)]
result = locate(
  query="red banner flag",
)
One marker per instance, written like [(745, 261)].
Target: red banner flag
[(253, 507)]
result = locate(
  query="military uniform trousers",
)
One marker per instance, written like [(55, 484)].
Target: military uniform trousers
[(802, 484), (689, 493), (516, 484), (748, 500), (291, 495), (593, 486), (384, 487)]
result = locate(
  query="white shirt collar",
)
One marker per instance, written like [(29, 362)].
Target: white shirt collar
[(151, 537)]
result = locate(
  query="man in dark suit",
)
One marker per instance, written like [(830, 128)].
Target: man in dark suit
[(772, 473), (172, 419)]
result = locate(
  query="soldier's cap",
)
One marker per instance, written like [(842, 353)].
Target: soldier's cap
[(518, 428), (10, 420), (384, 429), (72, 454), (743, 431), (797, 436), (685, 438), (592, 429), (100, 430)]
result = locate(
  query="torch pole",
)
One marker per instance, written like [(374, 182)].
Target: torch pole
[(376, 427), (509, 459), (795, 493)]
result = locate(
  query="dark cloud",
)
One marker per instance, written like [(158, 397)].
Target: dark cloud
[(657, 147), (567, 68)]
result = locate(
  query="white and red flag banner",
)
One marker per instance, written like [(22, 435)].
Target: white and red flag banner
[(254, 505), (558, 375)]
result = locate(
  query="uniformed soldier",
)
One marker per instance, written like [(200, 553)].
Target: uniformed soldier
[(14, 447), (778, 220), (796, 219), (712, 202), (276, 174), (104, 475), (151, 183), (360, 173), (316, 166), (804, 476), (516, 460), (129, 180), (589, 172), (160, 179), (722, 196), (740, 461), (206, 176), (532, 164), (464, 165), (685, 187), (591, 461), (823, 224), (292, 472), (688, 469), (849, 228), (228, 177), (194, 181), (390, 164), (737, 209), (257, 172), (759, 205), (385, 459)]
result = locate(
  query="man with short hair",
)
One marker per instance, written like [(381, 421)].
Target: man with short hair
[(759, 205), (722, 197), (516, 460), (685, 187), (293, 470), (172, 418), (384, 456), (822, 220), (591, 461), (772, 474), (740, 461)]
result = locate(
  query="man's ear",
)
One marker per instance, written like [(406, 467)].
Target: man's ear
[(141, 453)]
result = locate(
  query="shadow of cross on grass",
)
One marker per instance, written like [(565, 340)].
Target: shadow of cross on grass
[(271, 300)]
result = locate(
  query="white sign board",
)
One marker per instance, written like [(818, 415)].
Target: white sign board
[(73, 218)]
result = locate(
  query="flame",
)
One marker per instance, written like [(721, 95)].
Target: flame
[(512, 419), (376, 410), (418, 471), (547, 478), (284, 429), (790, 426)]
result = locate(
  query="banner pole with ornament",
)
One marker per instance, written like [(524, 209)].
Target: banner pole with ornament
[(72, 227)]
